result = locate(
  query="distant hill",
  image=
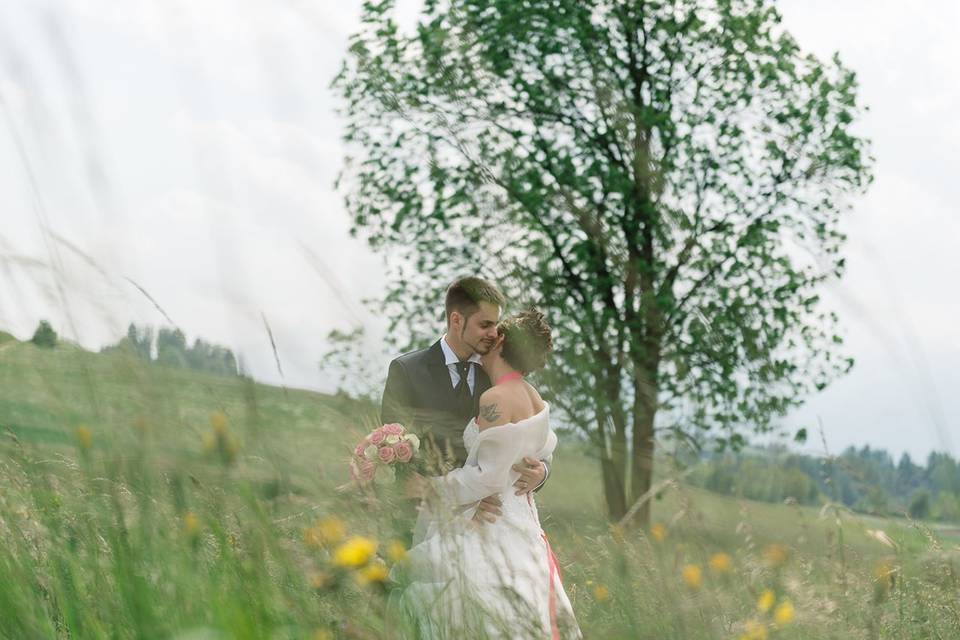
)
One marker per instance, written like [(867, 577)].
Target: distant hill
[(47, 393), (6, 337)]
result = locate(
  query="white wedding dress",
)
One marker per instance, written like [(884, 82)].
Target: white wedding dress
[(495, 580)]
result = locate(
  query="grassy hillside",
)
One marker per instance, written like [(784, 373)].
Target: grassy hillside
[(140, 501)]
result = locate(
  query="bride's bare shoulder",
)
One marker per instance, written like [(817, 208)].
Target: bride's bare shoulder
[(494, 409), (534, 398)]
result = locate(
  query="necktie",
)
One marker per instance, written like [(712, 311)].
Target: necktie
[(462, 391)]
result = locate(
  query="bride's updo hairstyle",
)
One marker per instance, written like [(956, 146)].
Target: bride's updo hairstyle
[(527, 342)]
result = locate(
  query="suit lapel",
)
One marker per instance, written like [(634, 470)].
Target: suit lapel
[(437, 365)]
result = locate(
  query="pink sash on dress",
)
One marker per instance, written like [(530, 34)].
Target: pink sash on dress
[(554, 572)]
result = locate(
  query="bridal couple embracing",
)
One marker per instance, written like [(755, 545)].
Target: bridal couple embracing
[(480, 565)]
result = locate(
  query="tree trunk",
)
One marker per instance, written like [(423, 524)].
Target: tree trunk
[(613, 489), (614, 459), (642, 465), (644, 415)]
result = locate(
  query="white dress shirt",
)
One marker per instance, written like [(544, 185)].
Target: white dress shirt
[(452, 360)]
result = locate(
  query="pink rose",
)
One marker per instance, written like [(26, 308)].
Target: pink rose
[(386, 454), (404, 451), (378, 436), (393, 429)]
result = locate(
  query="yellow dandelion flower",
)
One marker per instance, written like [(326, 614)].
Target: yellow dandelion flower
[(326, 531), (783, 614), (191, 523), (396, 551), (766, 601), (720, 562), (322, 634), (355, 552), (754, 630), (692, 575), (220, 422), (659, 531), (84, 437), (776, 555), (332, 529), (601, 593), (376, 571)]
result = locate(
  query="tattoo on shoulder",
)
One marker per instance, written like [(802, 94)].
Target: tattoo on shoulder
[(489, 412)]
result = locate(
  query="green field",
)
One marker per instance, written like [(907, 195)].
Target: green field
[(138, 501)]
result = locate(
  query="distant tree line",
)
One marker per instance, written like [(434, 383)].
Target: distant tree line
[(866, 480), (172, 350)]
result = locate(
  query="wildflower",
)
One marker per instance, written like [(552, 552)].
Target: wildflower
[(396, 551), (766, 600), (376, 571), (883, 572), (84, 437), (776, 555), (658, 531), (191, 524), (331, 529), (783, 614), (220, 422), (720, 562), (355, 552), (322, 634), (754, 630), (692, 575), (601, 593)]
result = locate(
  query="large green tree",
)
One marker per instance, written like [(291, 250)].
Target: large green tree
[(665, 179)]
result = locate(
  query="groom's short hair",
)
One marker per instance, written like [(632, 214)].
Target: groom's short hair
[(466, 294)]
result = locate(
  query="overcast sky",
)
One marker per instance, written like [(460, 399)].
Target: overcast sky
[(191, 147)]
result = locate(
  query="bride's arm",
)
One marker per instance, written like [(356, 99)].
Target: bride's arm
[(495, 455)]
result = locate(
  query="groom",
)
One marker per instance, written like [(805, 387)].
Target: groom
[(435, 391)]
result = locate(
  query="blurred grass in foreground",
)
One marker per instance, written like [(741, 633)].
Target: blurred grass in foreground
[(138, 502)]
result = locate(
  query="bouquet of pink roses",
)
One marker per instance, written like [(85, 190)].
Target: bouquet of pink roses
[(389, 446)]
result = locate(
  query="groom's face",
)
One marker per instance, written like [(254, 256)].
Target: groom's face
[(479, 331)]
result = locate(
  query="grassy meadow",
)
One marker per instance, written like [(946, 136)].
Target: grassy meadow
[(138, 501)]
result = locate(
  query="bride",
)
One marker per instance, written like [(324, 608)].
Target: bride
[(500, 579)]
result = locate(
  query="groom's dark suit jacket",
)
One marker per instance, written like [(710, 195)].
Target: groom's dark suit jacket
[(420, 396)]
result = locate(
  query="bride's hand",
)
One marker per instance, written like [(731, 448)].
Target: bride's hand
[(488, 510), (532, 474)]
